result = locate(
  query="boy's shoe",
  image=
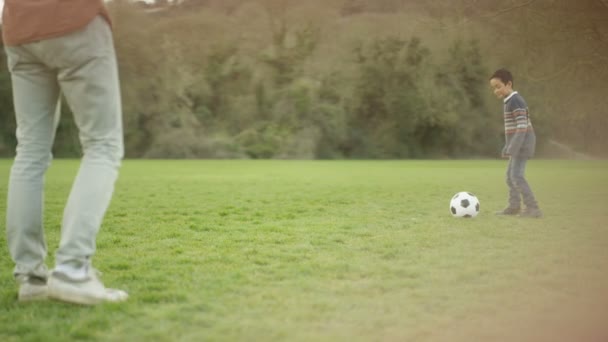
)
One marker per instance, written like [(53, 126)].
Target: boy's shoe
[(508, 211), (532, 213), (86, 291), (32, 289)]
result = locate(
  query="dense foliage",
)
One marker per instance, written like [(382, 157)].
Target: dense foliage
[(347, 79)]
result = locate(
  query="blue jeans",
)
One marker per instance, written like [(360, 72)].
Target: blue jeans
[(518, 186), (82, 66)]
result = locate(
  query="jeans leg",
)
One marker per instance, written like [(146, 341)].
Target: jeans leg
[(36, 98), (91, 88), (514, 194), (519, 180)]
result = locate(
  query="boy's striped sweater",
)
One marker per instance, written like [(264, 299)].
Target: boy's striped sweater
[(519, 133)]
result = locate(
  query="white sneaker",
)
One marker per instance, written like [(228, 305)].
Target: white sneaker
[(88, 290), (32, 289)]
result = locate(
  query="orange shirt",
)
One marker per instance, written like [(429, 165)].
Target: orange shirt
[(26, 21)]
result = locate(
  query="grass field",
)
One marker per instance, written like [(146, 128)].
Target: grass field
[(331, 251)]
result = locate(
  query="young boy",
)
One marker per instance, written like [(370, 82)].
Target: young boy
[(519, 147)]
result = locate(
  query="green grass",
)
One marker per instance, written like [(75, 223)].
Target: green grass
[(330, 251)]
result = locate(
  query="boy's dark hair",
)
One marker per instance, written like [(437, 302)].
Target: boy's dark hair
[(504, 75)]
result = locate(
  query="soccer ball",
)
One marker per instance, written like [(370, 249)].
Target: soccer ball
[(464, 204)]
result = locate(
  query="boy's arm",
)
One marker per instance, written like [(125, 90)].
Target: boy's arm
[(518, 138)]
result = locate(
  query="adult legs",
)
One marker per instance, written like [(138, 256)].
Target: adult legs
[(89, 80), (35, 96)]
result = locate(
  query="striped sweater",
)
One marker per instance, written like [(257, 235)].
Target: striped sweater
[(519, 133)]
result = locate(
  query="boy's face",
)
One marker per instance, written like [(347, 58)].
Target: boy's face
[(500, 89)]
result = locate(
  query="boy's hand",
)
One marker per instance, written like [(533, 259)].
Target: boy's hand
[(506, 156)]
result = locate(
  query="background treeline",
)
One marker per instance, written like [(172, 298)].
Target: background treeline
[(349, 78)]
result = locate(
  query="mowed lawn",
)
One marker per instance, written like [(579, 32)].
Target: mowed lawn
[(331, 251)]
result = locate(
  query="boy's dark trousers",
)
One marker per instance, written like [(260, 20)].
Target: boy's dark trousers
[(518, 186)]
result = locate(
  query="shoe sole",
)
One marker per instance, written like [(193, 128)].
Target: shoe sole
[(76, 296), (65, 292), (32, 293), (33, 297)]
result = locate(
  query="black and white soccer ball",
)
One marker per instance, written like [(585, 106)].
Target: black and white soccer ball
[(464, 204)]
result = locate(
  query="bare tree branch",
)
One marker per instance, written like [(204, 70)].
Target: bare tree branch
[(497, 13), (506, 10)]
